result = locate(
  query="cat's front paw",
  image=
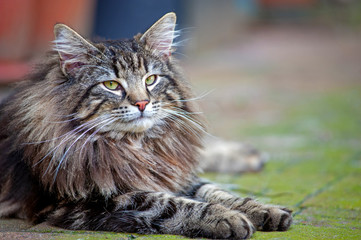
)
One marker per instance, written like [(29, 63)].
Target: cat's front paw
[(222, 223), (234, 225), (266, 217), (272, 218)]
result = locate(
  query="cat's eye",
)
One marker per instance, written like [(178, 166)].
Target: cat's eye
[(151, 80), (112, 85)]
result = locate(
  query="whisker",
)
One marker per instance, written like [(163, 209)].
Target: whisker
[(182, 124), (68, 149), (94, 133), (184, 115), (195, 98), (76, 130), (60, 115), (178, 116), (66, 136), (65, 121), (182, 110)]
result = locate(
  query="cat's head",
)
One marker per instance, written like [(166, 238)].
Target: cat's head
[(129, 85)]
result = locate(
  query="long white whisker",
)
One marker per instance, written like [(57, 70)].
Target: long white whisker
[(195, 98), (182, 124), (61, 116), (68, 149), (182, 110), (184, 116), (94, 133), (76, 130), (65, 121), (67, 136), (179, 118)]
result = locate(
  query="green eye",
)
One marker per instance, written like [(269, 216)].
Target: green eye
[(151, 80), (112, 85)]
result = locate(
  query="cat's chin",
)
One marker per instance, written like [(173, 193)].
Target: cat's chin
[(138, 125), (142, 125)]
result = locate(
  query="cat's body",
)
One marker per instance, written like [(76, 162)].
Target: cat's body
[(103, 137)]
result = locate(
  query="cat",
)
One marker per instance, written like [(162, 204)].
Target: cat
[(104, 136)]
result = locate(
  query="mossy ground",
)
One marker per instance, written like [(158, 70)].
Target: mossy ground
[(319, 177), (297, 99)]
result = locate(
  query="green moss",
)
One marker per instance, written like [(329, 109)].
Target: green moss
[(330, 217), (113, 236), (317, 174), (345, 194), (302, 231)]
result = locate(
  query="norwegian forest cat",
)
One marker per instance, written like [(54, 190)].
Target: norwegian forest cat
[(103, 136)]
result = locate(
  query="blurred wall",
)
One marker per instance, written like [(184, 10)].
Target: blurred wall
[(124, 18), (205, 22), (26, 26), (26, 30)]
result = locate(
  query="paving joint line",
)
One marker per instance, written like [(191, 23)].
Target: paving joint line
[(316, 193)]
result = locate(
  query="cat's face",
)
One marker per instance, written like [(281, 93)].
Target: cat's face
[(123, 86)]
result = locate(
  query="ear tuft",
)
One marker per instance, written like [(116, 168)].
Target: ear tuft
[(159, 37), (73, 49)]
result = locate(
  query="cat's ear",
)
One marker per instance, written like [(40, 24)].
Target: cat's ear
[(74, 51), (159, 37)]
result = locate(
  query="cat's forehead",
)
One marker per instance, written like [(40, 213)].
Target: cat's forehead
[(134, 63), (130, 57)]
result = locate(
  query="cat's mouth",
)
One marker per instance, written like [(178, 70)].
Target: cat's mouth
[(139, 117), (141, 124), (134, 122), (142, 115)]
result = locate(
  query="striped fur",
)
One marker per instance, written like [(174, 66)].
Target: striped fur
[(79, 155), (264, 217)]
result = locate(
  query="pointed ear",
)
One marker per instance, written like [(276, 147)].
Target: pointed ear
[(74, 51), (159, 37)]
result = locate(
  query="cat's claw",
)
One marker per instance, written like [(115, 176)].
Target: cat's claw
[(234, 226), (271, 218), (222, 223)]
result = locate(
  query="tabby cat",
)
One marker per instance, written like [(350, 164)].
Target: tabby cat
[(103, 136)]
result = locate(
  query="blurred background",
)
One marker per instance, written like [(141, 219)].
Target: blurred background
[(241, 47), (207, 25), (282, 75)]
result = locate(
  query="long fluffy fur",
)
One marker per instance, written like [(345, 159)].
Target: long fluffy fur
[(69, 154)]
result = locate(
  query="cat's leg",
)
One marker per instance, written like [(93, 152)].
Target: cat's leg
[(264, 217), (154, 213)]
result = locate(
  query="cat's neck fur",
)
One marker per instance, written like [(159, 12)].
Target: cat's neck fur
[(136, 162)]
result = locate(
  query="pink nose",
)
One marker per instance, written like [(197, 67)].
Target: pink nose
[(141, 105)]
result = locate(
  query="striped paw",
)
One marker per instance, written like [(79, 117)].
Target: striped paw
[(221, 223), (265, 217), (234, 226), (273, 218), (270, 218)]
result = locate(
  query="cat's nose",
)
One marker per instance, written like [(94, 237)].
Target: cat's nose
[(141, 104)]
